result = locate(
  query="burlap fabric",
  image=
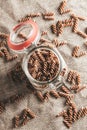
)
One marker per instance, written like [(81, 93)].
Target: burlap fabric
[(10, 12)]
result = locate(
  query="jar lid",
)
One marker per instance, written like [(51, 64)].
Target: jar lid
[(20, 46)]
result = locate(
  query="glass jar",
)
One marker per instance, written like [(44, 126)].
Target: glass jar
[(43, 72)]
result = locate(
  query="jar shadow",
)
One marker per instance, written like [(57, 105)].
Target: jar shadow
[(14, 82)]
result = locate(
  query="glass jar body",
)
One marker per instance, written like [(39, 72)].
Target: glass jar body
[(41, 85)]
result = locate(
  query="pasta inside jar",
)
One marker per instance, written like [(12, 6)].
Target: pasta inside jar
[(43, 65)]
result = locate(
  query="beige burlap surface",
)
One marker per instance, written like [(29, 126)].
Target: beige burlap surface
[(10, 12)]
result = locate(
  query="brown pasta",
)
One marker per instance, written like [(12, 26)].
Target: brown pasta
[(3, 43), (30, 113), (45, 66), (62, 94), (63, 72), (54, 29), (75, 26), (48, 18), (54, 94), (80, 89), (7, 54), (79, 17), (61, 6), (81, 34), (44, 33), (62, 43), (46, 96), (65, 116), (65, 89), (61, 113), (70, 113), (34, 56), (67, 22), (69, 78), (73, 16), (75, 87), (65, 11), (44, 40), (33, 15), (24, 19), (3, 35), (56, 42), (40, 95), (21, 35), (75, 51), (59, 28), (79, 113), (40, 56), (12, 58), (83, 53), (78, 79), (48, 14), (16, 121), (1, 54), (74, 77), (67, 123), (73, 105), (53, 65), (84, 113), (74, 116), (25, 121), (68, 100), (22, 119), (24, 115)]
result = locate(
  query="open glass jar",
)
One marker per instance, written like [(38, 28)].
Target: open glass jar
[(42, 63)]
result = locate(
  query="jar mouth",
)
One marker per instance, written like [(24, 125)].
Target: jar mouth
[(26, 59)]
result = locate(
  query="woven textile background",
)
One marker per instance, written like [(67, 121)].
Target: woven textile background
[(10, 12)]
